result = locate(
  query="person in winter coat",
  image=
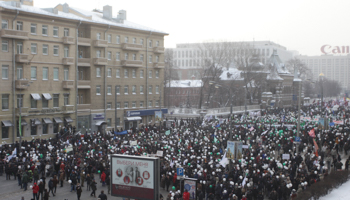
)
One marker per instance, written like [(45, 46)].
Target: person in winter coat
[(61, 177), (41, 189), (102, 196), (162, 182), (108, 180), (82, 178), (73, 178), (25, 180), (55, 182), (35, 191), (167, 182), (186, 195), (51, 186), (79, 190), (46, 195), (88, 182), (93, 188), (103, 178)]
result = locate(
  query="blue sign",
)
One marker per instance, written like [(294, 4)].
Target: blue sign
[(134, 113), (180, 171), (297, 139)]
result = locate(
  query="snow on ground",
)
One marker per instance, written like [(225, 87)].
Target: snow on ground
[(340, 193)]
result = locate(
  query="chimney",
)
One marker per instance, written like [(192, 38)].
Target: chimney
[(65, 8), (193, 77), (107, 12), (121, 16)]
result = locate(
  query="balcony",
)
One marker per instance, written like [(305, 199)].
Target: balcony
[(84, 41), (100, 61), (68, 61), (158, 65), (100, 43), (131, 47), (132, 63), (84, 62), (84, 106), (84, 84), (21, 58), (24, 111), (158, 49), (68, 40), (68, 84), (68, 109), (14, 34), (22, 84)]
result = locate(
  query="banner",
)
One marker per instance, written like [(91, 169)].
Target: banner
[(121, 133), (191, 187), (158, 115), (230, 151)]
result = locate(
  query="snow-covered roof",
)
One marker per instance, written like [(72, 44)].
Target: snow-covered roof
[(92, 17), (185, 83), (277, 62), (230, 74)]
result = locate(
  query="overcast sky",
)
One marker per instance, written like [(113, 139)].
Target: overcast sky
[(301, 25)]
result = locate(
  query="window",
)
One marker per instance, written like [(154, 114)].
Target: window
[(126, 104), (55, 50), (98, 53), (134, 56), (157, 59), (66, 73), (98, 90), (19, 26), (109, 105), (45, 128), (66, 51), (118, 73), (44, 30), (33, 128), (157, 103), (126, 89), (150, 59), (150, 103), (141, 89), (150, 74), (19, 100), (33, 73), (5, 72), (117, 89), (4, 24), (141, 57), (126, 39), (109, 38), (109, 55), (5, 101), (33, 48), (141, 42), (126, 73), (56, 100), (45, 103), (157, 89), (134, 73), (19, 72), (19, 47), (157, 44), (45, 73), (5, 132), (98, 36), (157, 73), (118, 105), (150, 89), (109, 122), (66, 99), (45, 49), (109, 72), (33, 28), (118, 39), (55, 31), (5, 45), (150, 43), (141, 104), (126, 56), (134, 89), (141, 73), (109, 90), (33, 103), (55, 73), (98, 72), (117, 56), (66, 32), (133, 104), (134, 40)]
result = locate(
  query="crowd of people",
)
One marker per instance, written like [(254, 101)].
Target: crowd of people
[(197, 145)]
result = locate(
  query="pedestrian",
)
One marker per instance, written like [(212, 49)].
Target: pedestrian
[(103, 178), (55, 182), (41, 189), (79, 190), (93, 188), (108, 180), (62, 177), (51, 186), (46, 195), (102, 196), (25, 180), (88, 182), (35, 189), (73, 178), (82, 177), (186, 195)]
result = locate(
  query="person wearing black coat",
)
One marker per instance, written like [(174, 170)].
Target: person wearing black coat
[(102, 196), (79, 190), (41, 190), (51, 186), (93, 188)]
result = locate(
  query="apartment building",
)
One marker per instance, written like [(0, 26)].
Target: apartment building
[(64, 65)]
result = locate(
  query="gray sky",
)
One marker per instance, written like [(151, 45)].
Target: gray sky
[(302, 25)]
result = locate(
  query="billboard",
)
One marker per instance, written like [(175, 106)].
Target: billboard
[(234, 150), (190, 184), (135, 177), (158, 115)]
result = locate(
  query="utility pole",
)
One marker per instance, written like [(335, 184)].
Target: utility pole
[(299, 102)]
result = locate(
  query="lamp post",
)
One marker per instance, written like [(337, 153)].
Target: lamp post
[(115, 111), (20, 115), (321, 75), (299, 102)]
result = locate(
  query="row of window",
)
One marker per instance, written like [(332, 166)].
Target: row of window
[(206, 53), (126, 89), (126, 56), (34, 48), (5, 100), (134, 104), (126, 73), (33, 73), (126, 40)]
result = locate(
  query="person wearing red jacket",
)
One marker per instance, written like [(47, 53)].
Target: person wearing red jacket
[(35, 191), (186, 195), (62, 166), (103, 178)]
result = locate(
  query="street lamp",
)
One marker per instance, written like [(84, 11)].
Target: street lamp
[(321, 75)]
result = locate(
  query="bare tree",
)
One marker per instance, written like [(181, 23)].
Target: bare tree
[(297, 64), (169, 73)]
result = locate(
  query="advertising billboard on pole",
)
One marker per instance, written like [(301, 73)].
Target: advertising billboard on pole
[(190, 184), (135, 177)]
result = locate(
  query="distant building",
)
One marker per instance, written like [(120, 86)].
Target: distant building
[(182, 93)]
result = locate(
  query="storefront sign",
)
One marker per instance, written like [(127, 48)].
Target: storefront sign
[(98, 116), (133, 113)]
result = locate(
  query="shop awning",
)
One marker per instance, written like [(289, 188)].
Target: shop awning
[(35, 96), (47, 96), (99, 123), (133, 118), (23, 122), (47, 120), (68, 119), (57, 120), (36, 122), (6, 123)]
